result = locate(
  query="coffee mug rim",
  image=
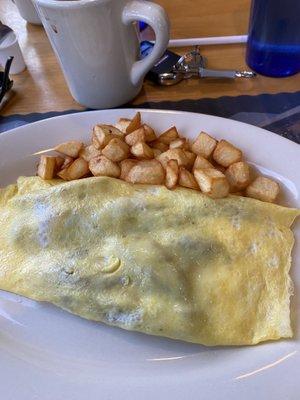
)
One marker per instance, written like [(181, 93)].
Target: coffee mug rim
[(68, 3)]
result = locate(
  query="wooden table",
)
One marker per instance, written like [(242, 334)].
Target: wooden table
[(42, 86)]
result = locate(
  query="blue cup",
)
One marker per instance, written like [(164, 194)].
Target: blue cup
[(273, 47)]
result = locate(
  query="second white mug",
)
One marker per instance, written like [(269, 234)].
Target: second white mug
[(98, 49), (28, 11)]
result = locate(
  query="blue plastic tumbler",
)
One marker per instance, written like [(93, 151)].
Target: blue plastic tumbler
[(273, 47)]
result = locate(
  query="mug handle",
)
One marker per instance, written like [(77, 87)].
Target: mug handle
[(155, 16)]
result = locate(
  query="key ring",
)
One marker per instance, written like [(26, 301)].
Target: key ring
[(193, 64), (187, 66), (190, 63)]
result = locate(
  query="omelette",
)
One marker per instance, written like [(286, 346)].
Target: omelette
[(170, 263)]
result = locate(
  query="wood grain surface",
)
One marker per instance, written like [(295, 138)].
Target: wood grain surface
[(41, 87)]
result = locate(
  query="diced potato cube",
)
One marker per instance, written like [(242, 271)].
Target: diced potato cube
[(78, 169), (172, 174), (191, 159), (89, 152), (187, 179), (47, 167), (116, 150), (103, 134), (159, 145), (204, 145), (226, 154), (169, 136), (212, 182), (187, 145), (70, 148), (95, 142), (174, 154), (142, 150), (238, 176), (202, 163), (135, 123), (149, 172), (63, 174), (136, 136), (59, 162), (67, 161), (126, 166), (264, 189), (156, 152), (123, 124), (102, 166), (150, 135), (180, 143)]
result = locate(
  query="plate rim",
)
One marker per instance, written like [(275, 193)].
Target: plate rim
[(148, 110)]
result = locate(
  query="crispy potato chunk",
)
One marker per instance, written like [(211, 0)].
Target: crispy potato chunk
[(159, 145), (172, 174), (156, 152), (63, 174), (70, 148), (173, 154), (149, 172), (123, 124), (202, 163), (102, 166), (78, 169), (47, 167), (59, 162), (264, 189), (204, 145), (180, 143), (150, 135), (135, 123), (187, 179), (191, 159), (68, 161), (226, 154), (142, 150), (89, 152), (169, 136), (139, 135), (238, 176), (95, 142), (103, 134), (126, 166), (116, 150), (212, 182)]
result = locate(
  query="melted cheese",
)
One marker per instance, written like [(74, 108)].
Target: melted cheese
[(170, 263)]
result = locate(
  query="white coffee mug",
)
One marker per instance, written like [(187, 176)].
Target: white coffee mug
[(97, 46), (28, 11), (9, 47)]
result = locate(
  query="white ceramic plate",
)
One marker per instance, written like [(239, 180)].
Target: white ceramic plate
[(48, 354)]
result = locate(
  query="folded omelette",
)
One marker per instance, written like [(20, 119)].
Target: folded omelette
[(169, 263)]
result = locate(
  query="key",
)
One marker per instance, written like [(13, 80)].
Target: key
[(230, 74)]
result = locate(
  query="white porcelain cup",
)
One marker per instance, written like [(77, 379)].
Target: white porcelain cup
[(27, 11), (97, 46), (9, 47)]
